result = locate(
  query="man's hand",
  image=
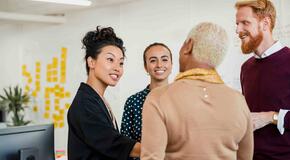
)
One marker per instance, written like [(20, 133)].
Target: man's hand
[(261, 119)]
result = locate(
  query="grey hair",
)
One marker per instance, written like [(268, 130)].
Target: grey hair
[(210, 43)]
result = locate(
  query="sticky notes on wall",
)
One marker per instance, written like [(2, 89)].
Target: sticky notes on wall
[(52, 90)]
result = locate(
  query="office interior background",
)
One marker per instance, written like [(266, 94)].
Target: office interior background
[(44, 55)]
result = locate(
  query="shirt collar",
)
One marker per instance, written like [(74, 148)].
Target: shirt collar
[(273, 49)]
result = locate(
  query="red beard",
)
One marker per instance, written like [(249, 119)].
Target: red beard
[(252, 44)]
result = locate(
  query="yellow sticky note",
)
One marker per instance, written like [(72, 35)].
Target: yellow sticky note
[(47, 101), (49, 67), (37, 64), (24, 73), (55, 65), (62, 63), (55, 117), (29, 80), (46, 115), (54, 60), (34, 94), (67, 106), (56, 94), (57, 86), (55, 124), (24, 67), (54, 72), (46, 89), (27, 87), (63, 69), (56, 107), (62, 74), (37, 83), (54, 79), (67, 94), (35, 108), (37, 76), (56, 101), (60, 117), (61, 111), (46, 95), (61, 124), (62, 80), (47, 108), (48, 74), (63, 50), (63, 56), (61, 95), (37, 70)]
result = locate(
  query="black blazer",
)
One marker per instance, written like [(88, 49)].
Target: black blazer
[(91, 134)]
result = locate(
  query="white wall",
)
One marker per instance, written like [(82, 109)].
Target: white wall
[(138, 24)]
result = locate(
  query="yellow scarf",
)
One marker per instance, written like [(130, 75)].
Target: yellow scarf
[(207, 75)]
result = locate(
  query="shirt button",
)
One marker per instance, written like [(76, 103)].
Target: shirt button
[(206, 96), (204, 89)]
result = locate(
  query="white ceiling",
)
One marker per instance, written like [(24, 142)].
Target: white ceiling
[(24, 8)]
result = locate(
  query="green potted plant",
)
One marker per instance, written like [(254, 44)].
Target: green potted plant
[(14, 101)]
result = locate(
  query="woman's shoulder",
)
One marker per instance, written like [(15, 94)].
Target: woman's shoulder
[(139, 95)]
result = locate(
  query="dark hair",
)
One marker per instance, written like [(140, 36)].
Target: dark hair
[(94, 41), (152, 45)]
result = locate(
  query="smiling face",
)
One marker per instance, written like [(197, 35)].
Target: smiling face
[(158, 63), (107, 67), (249, 29)]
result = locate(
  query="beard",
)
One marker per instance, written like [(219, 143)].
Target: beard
[(252, 44)]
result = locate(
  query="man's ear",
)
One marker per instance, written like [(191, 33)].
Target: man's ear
[(188, 44), (91, 62), (266, 23)]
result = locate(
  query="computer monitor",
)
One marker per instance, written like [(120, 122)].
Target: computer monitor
[(27, 143), (2, 115)]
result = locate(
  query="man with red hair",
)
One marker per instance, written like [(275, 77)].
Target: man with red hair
[(265, 79)]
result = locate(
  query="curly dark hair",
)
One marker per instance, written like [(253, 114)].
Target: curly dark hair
[(94, 41)]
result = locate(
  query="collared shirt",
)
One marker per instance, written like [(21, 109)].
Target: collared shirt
[(273, 49)]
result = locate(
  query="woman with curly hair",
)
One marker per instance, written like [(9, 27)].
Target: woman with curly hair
[(93, 132)]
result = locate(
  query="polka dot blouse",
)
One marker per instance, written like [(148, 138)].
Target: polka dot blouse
[(132, 118)]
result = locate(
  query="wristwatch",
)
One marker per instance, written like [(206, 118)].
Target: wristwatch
[(275, 118)]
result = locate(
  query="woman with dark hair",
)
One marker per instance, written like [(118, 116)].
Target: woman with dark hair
[(157, 59), (93, 132)]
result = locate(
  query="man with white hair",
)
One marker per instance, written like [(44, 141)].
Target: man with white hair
[(197, 117)]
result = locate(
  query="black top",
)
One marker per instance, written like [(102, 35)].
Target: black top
[(92, 135)]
